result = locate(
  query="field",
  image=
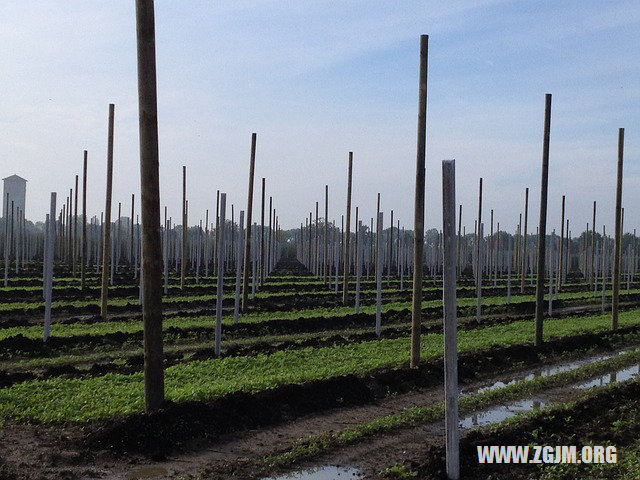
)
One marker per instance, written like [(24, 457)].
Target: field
[(303, 382)]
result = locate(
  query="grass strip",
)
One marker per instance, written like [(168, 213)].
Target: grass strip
[(112, 395)]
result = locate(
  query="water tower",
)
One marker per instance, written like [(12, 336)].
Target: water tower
[(16, 187)]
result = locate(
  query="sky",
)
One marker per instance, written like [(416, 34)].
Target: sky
[(317, 79)]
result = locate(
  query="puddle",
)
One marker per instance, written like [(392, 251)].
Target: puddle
[(500, 413), (329, 472), (617, 376), (546, 372)]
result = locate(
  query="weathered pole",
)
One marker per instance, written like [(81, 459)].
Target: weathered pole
[(166, 252), (75, 228), (459, 241), (131, 259), (617, 248), (220, 273), (345, 265), (479, 257), (240, 247), (561, 265), (418, 219), (49, 255), (524, 240), (272, 223), (326, 245), (106, 244), (247, 236), (83, 254), (450, 319), (262, 235), (592, 276), (151, 263), (542, 227), (379, 227), (359, 257), (183, 256)]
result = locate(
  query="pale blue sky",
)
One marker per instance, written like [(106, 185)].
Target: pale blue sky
[(316, 79)]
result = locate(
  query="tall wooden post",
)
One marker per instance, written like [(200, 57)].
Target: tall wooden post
[(418, 219), (618, 235), (459, 241), (524, 240), (131, 259), (106, 226), (48, 268), (240, 247), (271, 224), (83, 254), (183, 256), (247, 237), (450, 319), (220, 273), (75, 228), (261, 273), (479, 257), (379, 227), (592, 276), (345, 265), (326, 236), (151, 273), (561, 265), (542, 227)]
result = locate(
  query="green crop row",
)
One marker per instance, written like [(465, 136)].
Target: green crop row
[(60, 399)]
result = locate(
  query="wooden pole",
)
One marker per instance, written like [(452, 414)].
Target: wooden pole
[(592, 276), (220, 274), (542, 228), (131, 262), (379, 227), (83, 250), (240, 246), (48, 279), (345, 265), (151, 272), (561, 265), (247, 237), (524, 240), (106, 244), (459, 241), (450, 319), (75, 228), (183, 256), (618, 235), (418, 219), (262, 235), (326, 245), (479, 257), (359, 256)]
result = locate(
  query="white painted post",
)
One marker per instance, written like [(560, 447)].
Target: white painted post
[(379, 275), (220, 279), (450, 319), (240, 252), (48, 280)]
